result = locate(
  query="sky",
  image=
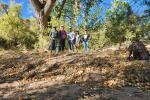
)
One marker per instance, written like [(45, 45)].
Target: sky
[(28, 12)]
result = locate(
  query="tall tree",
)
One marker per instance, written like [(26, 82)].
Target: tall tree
[(87, 5), (43, 9), (15, 31), (117, 19)]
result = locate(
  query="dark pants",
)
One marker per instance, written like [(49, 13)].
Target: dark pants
[(70, 43), (57, 45), (62, 44), (52, 45)]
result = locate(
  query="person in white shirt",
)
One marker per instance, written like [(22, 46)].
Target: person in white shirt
[(77, 40), (71, 38)]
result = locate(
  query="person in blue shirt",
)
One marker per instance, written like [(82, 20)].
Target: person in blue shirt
[(71, 38)]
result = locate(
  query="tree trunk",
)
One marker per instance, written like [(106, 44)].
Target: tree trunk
[(43, 9), (43, 20)]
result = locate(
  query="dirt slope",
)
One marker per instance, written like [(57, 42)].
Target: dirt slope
[(100, 75)]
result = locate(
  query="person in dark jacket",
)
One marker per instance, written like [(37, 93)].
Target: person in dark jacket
[(63, 36), (53, 36), (85, 39)]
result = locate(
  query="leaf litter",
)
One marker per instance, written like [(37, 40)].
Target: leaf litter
[(41, 74)]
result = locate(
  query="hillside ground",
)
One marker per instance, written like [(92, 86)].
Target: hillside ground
[(104, 74)]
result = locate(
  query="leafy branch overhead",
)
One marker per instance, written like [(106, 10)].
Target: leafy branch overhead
[(44, 8)]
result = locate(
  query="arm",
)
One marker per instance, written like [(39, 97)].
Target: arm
[(66, 34), (89, 37), (130, 49), (50, 34), (81, 38)]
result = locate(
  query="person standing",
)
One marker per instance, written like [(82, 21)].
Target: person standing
[(85, 39), (77, 40), (63, 36), (71, 37), (53, 36)]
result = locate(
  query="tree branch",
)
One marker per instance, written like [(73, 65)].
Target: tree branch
[(36, 5), (48, 7)]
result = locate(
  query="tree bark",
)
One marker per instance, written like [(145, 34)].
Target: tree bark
[(36, 5), (43, 10)]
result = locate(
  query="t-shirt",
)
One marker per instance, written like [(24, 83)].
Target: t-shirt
[(77, 38), (71, 36), (86, 37)]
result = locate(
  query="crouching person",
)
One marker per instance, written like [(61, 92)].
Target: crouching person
[(138, 51)]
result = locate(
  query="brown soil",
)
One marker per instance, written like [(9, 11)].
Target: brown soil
[(100, 75)]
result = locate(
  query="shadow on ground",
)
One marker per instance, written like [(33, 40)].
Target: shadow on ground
[(96, 76)]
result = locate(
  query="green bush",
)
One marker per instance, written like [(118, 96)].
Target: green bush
[(99, 39), (16, 32)]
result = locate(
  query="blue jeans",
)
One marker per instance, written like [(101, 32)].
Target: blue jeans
[(52, 45), (86, 47), (70, 44)]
